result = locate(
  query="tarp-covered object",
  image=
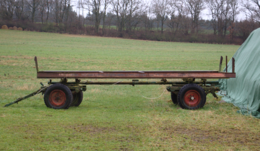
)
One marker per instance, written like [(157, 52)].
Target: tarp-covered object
[(244, 90)]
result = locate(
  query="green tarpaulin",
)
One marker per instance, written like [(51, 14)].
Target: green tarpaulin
[(244, 90)]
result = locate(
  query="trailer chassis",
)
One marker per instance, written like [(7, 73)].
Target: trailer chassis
[(188, 93)]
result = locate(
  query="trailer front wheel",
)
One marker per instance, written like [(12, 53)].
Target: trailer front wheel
[(58, 96), (191, 96)]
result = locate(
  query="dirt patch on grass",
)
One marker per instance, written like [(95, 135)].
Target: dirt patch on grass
[(17, 57), (90, 129), (26, 87), (2, 115), (222, 136), (9, 62), (24, 61), (95, 91)]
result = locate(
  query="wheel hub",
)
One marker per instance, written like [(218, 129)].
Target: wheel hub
[(57, 97), (192, 98)]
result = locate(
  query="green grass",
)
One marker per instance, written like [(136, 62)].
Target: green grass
[(113, 117)]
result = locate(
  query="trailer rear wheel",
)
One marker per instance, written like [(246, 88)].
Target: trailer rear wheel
[(174, 98), (191, 96), (77, 99), (58, 96)]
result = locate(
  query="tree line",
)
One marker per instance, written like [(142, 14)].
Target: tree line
[(167, 20)]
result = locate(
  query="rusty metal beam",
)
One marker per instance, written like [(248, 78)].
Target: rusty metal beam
[(135, 82), (134, 74)]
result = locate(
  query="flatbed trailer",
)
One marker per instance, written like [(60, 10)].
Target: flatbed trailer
[(188, 93)]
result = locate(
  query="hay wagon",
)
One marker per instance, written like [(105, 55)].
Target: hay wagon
[(188, 93)]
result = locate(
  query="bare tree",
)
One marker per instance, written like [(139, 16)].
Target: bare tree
[(245, 27), (223, 13), (195, 7), (60, 9), (42, 9), (214, 7), (120, 8), (49, 4), (225, 18), (253, 7), (67, 11), (33, 4), (135, 9), (7, 9), (146, 20), (109, 19), (56, 11), (104, 14), (98, 9), (172, 22), (64, 4), (234, 7), (233, 13), (80, 5), (182, 20), (19, 9), (64, 11), (220, 10), (161, 9)]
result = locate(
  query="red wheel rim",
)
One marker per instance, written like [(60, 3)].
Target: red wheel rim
[(192, 98), (57, 98)]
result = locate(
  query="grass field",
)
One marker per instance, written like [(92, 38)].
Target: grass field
[(113, 117)]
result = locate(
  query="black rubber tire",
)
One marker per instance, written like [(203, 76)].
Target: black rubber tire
[(196, 88), (58, 87), (77, 99), (174, 98), (47, 105)]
